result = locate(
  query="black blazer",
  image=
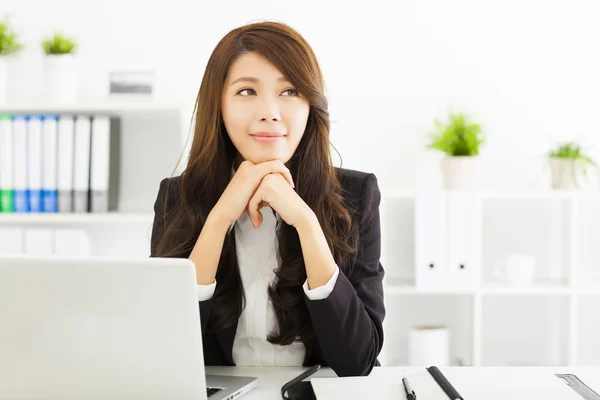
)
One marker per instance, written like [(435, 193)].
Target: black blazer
[(348, 323)]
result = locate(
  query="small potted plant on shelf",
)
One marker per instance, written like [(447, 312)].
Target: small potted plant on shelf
[(9, 46), (460, 139), (60, 69), (567, 165)]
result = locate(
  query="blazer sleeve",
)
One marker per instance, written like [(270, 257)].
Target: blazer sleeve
[(349, 322), (158, 231)]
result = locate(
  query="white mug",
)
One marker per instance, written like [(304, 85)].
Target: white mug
[(516, 269), (428, 345)]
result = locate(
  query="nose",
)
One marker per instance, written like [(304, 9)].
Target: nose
[(269, 110)]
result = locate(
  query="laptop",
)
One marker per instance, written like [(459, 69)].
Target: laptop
[(104, 328)]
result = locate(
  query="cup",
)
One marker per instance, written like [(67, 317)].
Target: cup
[(516, 269), (428, 345)]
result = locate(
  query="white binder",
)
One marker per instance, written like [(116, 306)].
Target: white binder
[(464, 264), (21, 203), (50, 174), (66, 155), (104, 164), (6, 164), (430, 241), (34, 163), (81, 178)]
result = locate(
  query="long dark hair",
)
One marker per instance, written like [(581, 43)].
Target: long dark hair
[(208, 173)]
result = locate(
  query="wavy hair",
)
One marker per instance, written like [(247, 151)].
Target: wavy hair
[(208, 173)]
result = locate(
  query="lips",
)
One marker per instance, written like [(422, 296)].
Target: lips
[(268, 134)]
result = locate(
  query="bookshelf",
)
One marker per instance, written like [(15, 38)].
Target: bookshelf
[(115, 106), (153, 135), (539, 324), (56, 219)]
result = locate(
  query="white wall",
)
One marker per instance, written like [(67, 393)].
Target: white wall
[(527, 70)]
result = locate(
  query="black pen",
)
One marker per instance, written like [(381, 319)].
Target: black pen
[(410, 394)]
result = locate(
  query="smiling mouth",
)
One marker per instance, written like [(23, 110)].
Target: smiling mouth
[(268, 138), (267, 134)]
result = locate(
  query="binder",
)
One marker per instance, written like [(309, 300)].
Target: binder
[(49, 174), (20, 198), (6, 164), (34, 163), (66, 154), (464, 263), (430, 241), (81, 170), (105, 157)]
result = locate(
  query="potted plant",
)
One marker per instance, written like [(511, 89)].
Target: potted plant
[(60, 69), (567, 165), (9, 45), (460, 139)]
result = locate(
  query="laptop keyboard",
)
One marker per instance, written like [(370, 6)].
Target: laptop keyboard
[(211, 391)]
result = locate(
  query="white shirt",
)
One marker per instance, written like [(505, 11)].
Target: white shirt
[(257, 251)]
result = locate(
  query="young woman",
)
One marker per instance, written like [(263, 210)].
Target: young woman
[(286, 246)]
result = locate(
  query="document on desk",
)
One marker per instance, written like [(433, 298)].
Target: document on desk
[(490, 383)]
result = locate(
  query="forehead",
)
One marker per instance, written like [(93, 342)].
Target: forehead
[(253, 65)]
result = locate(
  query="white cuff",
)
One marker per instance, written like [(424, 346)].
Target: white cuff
[(322, 292), (205, 292)]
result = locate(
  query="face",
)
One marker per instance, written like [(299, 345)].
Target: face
[(264, 114)]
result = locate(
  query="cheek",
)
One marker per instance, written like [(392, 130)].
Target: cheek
[(237, 121), (296, 122)]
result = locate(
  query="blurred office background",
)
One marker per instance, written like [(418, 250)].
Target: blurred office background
[(505, 273)]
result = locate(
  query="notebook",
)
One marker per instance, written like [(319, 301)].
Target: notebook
[(494, 383)]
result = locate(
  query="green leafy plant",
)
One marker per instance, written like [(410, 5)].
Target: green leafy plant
[(9, 43), (58, 45), (572, 151), (457, 137)]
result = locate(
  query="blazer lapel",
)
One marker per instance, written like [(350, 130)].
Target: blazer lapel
[(310, 346)]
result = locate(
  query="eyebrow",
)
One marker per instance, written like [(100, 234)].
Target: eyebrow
[(255, 80)]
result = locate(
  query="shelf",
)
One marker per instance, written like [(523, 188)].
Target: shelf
[(116, 106), (589, 289), (75, 218), (542, 288), (400, 286), (501, 195)]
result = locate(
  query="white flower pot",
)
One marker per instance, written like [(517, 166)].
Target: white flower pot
[(564, 174), (459, 173), (61, 79), (3, 80)]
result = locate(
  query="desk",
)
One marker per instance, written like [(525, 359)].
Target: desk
[(270, 380)]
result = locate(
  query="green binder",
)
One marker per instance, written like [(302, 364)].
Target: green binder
[(6, 195)]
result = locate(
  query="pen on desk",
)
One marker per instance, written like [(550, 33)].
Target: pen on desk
[(410, 394)]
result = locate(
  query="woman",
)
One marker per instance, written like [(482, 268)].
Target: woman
[(286, 246)]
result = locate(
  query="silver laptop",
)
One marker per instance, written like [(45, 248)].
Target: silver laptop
[(98, 328)]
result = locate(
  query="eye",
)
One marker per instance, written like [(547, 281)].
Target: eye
[(292, 90), (243, 90)]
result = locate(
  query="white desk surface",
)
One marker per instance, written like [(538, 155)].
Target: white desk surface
[(271, 379)]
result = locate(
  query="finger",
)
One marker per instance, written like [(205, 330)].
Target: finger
[(272, 167), (253, 209)]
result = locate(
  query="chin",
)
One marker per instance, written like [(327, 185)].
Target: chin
[(261, 158)]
